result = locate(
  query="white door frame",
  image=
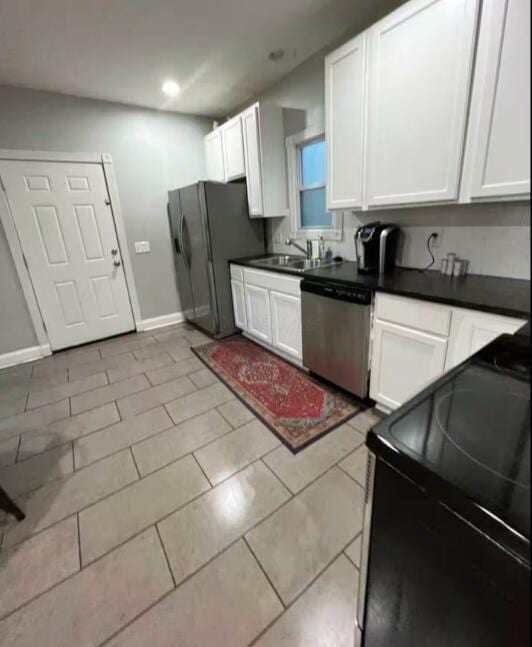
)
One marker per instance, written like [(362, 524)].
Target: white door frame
[(8, 222)]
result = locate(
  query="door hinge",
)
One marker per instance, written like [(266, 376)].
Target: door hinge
[(108, 202), (44, 326), (2, 184), (25, 261)]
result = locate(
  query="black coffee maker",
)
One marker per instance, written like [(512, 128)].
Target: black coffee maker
[(376, 247)]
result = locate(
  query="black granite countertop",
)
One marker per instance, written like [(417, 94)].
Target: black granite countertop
[(509, 297)]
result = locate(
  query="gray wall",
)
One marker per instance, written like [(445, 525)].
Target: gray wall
[(494, 237), (152, 152)]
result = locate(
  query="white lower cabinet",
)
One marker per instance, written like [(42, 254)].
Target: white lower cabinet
[(415, 342), (404, 361), (471, 331), (258, 312), (267, 307), (239, 304), (286, 323)]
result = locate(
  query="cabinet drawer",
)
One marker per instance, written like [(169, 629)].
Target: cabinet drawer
[(272, 281), (237, 272), (421, 315)]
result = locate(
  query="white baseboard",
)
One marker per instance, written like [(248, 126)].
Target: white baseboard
[(24, 355), (160, 322)]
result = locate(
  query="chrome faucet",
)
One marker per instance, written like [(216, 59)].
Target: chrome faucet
[(307, 252)]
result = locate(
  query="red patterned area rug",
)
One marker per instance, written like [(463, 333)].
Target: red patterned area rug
[(297, 408)]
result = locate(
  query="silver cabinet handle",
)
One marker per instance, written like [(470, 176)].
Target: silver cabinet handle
[(116, 263)]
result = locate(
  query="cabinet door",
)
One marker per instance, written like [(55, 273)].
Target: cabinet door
[(239, 304), (250, 127), (345, 72), (233, 149), (286, 323), (420, 60), (258, 312), (214, 156), (497, 161), (471, 331), (404, 361)]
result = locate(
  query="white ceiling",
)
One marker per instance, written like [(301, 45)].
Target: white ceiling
[(122, 50)]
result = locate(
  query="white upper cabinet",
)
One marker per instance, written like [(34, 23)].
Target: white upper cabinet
[(497, 160), (214, 156), (250, 126), (252, 145), (345, 80), (265, 157), (233, 149), (419, 66)]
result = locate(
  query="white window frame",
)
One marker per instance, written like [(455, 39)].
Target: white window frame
[(335, 232)]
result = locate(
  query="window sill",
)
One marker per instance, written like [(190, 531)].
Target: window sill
[(327, 234)]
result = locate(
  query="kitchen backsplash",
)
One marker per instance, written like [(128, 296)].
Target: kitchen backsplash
[(494, 238)]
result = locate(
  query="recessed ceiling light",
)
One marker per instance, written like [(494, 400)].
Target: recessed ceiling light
[(171, 88)]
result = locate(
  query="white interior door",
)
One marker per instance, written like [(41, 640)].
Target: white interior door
[(66, 229)]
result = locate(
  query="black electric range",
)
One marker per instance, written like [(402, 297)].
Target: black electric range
[(448, 559)]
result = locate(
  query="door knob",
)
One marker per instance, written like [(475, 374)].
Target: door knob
[(116, 263), (114, 252)]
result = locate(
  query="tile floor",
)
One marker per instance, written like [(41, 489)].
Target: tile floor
[(160, 511)]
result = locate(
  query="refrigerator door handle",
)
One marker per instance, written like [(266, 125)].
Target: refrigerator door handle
[(182, 241)]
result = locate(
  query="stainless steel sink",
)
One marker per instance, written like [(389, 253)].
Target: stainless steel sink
[(291, 263), (275, 260)]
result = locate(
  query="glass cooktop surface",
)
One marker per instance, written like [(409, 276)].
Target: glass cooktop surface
[(472, 429)]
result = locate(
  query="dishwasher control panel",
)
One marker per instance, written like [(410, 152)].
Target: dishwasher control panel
[(351, 295)]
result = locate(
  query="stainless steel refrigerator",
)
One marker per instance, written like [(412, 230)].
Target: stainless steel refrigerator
[(210, 224)]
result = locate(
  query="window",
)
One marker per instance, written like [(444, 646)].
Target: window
[(306, 174), (313, 213)]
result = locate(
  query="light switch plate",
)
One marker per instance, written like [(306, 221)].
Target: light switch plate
[(142, 246)]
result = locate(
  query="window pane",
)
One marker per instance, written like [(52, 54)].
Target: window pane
[(313, 213), (313, 163)]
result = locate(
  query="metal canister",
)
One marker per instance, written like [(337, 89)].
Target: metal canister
[(450, 263), (465, 265), (443, 265), (458, 268)]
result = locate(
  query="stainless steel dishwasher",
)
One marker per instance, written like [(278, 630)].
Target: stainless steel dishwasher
[(336, 334)]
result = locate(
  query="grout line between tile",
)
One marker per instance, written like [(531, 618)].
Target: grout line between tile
[(303, 591), (201, 469), (42, 593), (347, 474), (79, 543), (165, 554), (263, 571), (134, 462), (18, 448)]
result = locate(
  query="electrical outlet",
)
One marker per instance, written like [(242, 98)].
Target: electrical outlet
[(436, 239), (142, 247)]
